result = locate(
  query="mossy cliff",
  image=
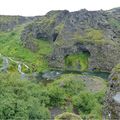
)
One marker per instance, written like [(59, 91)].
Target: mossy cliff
[(69, 33), (96, 32), (80, 40)]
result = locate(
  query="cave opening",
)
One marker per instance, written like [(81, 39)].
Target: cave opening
[(54, 36)]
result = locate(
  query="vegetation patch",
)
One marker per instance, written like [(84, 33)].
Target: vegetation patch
[(114, 22), (22, 99), (92, 36), (77, 61), (11, 46), (70, 92)]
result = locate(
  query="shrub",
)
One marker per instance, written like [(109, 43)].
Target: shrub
[(71, 86), (84, 102), (56, 95), (88, 105), (21, 99)]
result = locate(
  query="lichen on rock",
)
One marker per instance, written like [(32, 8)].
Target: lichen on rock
[(112, 100)]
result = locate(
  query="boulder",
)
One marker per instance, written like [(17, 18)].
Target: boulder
[(68, 116)]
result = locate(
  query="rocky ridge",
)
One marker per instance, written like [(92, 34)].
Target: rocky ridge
[(8, 23), (96, 32)]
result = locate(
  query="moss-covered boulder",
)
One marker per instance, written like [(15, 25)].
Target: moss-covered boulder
[(68, 116)]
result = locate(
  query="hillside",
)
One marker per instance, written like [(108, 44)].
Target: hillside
[(61, 62), (94, 32)]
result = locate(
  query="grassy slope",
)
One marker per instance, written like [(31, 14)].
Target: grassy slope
[(10, 45)]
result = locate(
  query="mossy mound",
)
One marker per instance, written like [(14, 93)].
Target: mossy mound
[(68, 116), (77, 61)]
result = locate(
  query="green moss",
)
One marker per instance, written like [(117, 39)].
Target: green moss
[(114, 22), (6, 19), (1, 61), (77, 60), (116, 68), (12, 67), (47, 21), (59, 27), (92, 36), (68, 116)]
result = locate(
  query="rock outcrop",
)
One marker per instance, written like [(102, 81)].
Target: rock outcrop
[(112, 101), (94, 32), (8, 23), (46, 27), (97, 32)]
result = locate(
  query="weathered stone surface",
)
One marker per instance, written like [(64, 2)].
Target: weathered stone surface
[(46, 28), (116, 98), (112, 101), (8, 23), (96, 31)]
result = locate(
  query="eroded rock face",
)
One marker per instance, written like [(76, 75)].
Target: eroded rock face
[(101, 56), (8, 23), (47, 27), (112, 102), (96, 31)]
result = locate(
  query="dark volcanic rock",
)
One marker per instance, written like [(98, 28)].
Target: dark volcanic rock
[(112, 101), (46, 28), (7, 23), (98, 32)]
